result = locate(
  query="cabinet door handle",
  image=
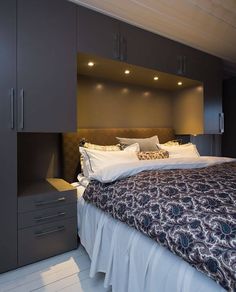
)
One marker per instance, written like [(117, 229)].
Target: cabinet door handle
[(180, 65), (45, 218), (183, 64), (46, 232), (123, 56), (12, 107), (221, 123), (116, 45), (43, 203), (22, 109)]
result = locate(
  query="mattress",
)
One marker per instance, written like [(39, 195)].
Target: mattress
[(130, 260)]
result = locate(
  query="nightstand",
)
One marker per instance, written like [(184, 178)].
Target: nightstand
[(47, 220)]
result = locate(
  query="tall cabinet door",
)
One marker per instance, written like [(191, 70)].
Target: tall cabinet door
[(8, 160), (46, 65)]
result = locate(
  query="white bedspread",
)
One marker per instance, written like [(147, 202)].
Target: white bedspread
[(131, 261)]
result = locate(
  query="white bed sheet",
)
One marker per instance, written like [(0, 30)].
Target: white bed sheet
[(131, 261)]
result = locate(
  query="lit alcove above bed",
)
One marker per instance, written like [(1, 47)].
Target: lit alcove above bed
[(113, 94)]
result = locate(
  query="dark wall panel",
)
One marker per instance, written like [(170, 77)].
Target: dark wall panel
[(38, 156)]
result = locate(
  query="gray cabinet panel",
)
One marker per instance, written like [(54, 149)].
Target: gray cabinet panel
[(8, 201), (229, 106), (40, 242), (98, 34), (8, 139), (213, 96), (146, 49), (46, 65), (7, 63)]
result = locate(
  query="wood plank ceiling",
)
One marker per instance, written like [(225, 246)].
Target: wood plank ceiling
[(208, 25)]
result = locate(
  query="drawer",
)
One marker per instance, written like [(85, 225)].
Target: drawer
[(48, 215), (40, 242), (42, 201)]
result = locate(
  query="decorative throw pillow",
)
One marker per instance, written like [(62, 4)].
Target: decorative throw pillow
[(151, 155), (172, 143), (88, 145), (145, 144)]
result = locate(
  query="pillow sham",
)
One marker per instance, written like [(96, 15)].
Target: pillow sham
[(85, 144), (95, 160), (133, 148), (151, 155), (179, 151), (88, 145), (145, 144)]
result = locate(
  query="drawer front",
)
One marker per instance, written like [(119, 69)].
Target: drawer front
[(48, 215), (42, 201), (46, 240)]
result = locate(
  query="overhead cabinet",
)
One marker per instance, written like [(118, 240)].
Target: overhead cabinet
[(104, 36), (98, 34)]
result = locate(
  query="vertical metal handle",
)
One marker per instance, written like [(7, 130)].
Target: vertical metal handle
[(221, 123), (183, 64), (116, 45), (22, 109), (123, 55), (180, 66), (12, 107)]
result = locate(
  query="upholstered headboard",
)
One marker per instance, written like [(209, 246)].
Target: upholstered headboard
[(70, 143)]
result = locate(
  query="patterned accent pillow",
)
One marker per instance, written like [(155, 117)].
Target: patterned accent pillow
[(101, 147), (172, 143), (151, 155)]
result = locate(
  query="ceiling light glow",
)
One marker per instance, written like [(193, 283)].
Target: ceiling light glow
[(127, 72), (90, 64), (180, 83), (156, 78)]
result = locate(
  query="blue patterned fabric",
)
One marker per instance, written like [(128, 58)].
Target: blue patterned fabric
[(192, 212)]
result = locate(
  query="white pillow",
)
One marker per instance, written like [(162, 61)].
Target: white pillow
[(84, 166), (179, 151), (133, 147), (95, 160)]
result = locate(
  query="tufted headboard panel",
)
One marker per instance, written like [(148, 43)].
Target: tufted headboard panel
[(70, 143)]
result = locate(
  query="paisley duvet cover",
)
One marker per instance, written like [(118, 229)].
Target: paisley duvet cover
[(192, 212)]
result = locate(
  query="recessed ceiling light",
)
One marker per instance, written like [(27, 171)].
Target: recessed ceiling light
[(90, 64), (156, 78), (180, 83), (127, 72)]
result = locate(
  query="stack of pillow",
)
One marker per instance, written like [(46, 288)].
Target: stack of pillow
[(95, 157)]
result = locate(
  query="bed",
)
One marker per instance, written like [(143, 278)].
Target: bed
[(130, 260)]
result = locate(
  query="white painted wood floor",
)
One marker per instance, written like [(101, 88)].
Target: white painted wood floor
[(68, 272)]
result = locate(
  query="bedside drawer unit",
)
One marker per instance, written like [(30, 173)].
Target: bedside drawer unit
[(43, 241), (47, 219), (48, 215), (42, 201), (48, 193)]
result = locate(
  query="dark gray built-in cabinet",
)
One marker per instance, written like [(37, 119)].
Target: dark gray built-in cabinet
[(102, 35), (37, 92)]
